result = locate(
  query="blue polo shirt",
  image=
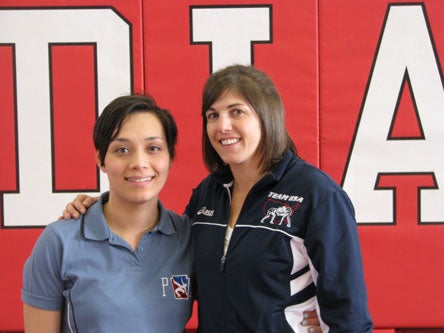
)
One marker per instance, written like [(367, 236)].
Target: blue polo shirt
[(82, 268)]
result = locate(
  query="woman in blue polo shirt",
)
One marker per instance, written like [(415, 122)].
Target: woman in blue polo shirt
[(124, 266)]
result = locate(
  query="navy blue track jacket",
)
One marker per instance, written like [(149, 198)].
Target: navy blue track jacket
[(295, 247)]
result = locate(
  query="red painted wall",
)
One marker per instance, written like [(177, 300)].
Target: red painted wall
[(362, 85)]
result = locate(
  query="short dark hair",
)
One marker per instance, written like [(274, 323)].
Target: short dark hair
[(260, 92), (108, 125)]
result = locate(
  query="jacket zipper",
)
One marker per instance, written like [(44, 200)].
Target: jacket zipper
[(223, 259), (224, 256), (222, 263)]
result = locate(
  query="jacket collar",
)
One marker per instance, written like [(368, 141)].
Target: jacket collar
[(279, 170)]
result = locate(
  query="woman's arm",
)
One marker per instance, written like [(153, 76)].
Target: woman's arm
[(41, 321), (332, 242)]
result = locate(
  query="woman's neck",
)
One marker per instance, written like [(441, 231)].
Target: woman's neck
[(131, 221), (244, 178), (243, 181)]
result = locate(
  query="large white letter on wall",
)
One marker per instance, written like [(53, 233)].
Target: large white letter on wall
[(406, 51), (32, 31), (231, 31)]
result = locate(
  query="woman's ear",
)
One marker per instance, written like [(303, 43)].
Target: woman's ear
[(99, 160)]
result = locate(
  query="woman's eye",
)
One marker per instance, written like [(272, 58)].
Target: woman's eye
[(122, 150), (154, 148), (211, 115)]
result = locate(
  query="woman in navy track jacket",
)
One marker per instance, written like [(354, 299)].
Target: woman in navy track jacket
[(273, 235)]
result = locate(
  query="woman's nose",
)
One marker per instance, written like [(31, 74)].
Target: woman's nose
[(139, 160), (224, 123)]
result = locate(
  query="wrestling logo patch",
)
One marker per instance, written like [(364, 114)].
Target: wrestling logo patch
[(181, 286), (278, 212)]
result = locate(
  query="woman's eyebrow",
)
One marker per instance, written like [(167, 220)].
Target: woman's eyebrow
[(228, 106), (149, 138)]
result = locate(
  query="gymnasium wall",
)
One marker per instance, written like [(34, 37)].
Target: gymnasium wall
[(361, 80)]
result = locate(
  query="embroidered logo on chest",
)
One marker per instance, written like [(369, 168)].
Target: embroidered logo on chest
[(180, 285), (205, 211), (279, 207)]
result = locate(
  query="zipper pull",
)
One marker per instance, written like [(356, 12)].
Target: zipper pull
[(222, 263)]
